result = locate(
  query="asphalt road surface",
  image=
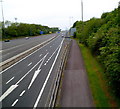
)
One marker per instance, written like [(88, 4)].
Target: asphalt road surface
[(16, 46), (27, 83)]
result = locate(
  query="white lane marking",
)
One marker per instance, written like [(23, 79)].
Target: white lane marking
[(37, 72), (29, 71), (15, 102), (43, 87), (51, 55), (10, 80), (8, 92), (50, 46), (40, 55), (34, 77), (46, 50), (22, 93), (16, 85), (27, 56), (13, 47), (1, 50), (29, 64)]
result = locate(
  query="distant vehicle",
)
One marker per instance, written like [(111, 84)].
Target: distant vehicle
[(26, 38), (7, 40), (62, 35)]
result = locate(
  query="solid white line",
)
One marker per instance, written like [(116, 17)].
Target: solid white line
[(42, 61), (16, 85), (53, 54), (15, 102), (29, 71), (27, 56), (43, 87), (8, 92), (10, 80), (13, 47), (29, 64), (22, 93)]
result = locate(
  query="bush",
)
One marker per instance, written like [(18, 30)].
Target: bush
[(102, 36)]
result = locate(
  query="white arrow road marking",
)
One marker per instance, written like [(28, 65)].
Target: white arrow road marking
[(34, 77), (8, 92), (43, 87), (37, 72), (16, 85)]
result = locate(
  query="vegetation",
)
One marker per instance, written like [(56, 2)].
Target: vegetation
[(13, 30), (102, 37), (100, 90)]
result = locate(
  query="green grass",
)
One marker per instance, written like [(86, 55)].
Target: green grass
[(100, 91)]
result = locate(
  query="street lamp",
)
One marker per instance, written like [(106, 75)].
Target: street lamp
[(2, 18), (82, 9), (2, 12)]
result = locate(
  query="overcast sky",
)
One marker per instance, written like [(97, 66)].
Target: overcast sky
[(54, 13)]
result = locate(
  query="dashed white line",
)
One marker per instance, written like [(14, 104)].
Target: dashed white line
[(22, 93), (29, 64), (45, 63), (27, 56), (46, 50), (10, 80), (16, 85), (15, 102), (40, 55), (37, 72), (46, 80)]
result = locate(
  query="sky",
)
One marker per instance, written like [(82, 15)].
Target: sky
[(54, 13)]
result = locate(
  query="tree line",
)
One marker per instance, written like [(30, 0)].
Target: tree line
[(13, 30), (102, 36)]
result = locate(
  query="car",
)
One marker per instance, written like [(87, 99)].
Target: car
[(26, 38), (7, 40), (62, 35)]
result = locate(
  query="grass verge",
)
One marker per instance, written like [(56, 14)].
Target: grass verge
[(98, 82)]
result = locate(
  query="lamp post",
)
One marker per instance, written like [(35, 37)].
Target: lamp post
[(2, 18), (82, 9), (2, 12)]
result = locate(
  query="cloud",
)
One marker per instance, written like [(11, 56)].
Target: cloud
[(55, 12)]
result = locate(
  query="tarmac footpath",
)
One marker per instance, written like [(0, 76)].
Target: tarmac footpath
[(75, 90)]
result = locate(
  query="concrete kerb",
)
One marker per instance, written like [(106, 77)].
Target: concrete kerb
[(18, 57)]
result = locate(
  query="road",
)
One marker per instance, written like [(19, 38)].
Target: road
[(27, 83), (16, 46)]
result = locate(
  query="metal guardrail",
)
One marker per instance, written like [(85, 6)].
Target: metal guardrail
[(56, 85)]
